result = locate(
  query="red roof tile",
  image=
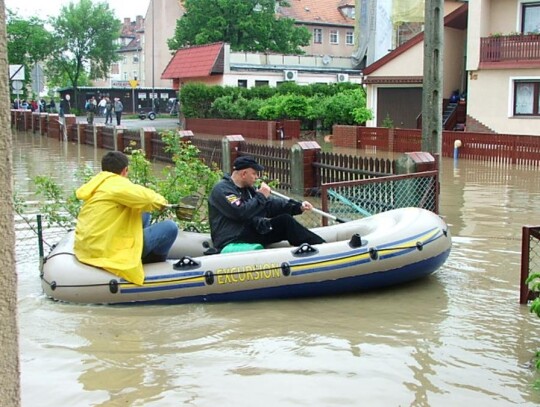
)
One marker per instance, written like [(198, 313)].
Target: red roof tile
[(195, 62), (316, 11)]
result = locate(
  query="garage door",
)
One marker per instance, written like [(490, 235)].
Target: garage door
[(401, 105)]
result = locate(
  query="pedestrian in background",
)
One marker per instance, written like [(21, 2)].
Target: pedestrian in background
[(108, 111), (118, 109)]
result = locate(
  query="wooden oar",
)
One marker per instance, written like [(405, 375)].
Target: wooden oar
[(315, 210)]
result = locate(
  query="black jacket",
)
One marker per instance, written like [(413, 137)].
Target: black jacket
[(231, 208)]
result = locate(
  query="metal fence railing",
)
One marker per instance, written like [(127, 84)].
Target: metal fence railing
[(530, 260), (360, 198)]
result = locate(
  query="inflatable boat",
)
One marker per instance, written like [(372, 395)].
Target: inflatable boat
[(378, 251)]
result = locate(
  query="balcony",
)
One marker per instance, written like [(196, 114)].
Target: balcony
[(510, 51)]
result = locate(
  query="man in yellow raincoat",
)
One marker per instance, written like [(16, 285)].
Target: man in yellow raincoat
[(113, 230)]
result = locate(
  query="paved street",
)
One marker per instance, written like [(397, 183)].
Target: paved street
[(159, 123)]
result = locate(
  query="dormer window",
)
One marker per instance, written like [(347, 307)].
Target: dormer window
[(347, 11)]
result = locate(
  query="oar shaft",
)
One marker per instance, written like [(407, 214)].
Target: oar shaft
[(315, 210)]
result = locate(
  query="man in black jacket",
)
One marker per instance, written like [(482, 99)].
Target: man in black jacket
[(241, 214)]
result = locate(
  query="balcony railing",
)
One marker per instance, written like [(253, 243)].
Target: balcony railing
[(510, 48)]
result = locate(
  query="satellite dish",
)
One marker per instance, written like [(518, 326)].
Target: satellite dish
[(326, 59)]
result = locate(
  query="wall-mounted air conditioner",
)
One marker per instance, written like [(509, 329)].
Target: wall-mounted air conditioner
[(343, 77), (290, 75)]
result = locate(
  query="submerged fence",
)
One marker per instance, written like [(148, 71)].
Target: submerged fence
[(530, 260)]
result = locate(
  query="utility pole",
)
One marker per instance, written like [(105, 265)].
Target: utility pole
[(153, 55), (433, 77)]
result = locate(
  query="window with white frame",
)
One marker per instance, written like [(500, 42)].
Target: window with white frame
[(317, 35), (530, 22), (527, 98), (334, 37), (349, 38)]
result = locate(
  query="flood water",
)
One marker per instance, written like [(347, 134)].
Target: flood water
[(458, 337)]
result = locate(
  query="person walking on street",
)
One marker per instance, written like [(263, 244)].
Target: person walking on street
[(118, 109), (238, 213), (108, 111), (65, 106), (91, 109)]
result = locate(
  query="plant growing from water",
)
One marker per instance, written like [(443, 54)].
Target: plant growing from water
[(187, 176)]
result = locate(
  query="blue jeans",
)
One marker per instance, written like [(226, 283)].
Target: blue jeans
[(158, 238)]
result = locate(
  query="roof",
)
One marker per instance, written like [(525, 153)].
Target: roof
[(316, 12), (195, 62), (456, 19)]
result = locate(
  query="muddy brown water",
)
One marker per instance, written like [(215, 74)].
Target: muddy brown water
[(458, 337)]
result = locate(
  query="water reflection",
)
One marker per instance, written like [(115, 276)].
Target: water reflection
[(459, 336)]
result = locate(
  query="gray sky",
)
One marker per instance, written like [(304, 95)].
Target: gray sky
[(45, 8)]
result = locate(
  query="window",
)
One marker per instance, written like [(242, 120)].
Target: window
[(349, 39), (262, 83), (135, 59), (334, 37), (531, 18), (242, 83), (527, 98), (317, 35)]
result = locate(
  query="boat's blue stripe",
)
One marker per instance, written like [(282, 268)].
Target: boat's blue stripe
[(168, 287), (321, 264), (359, 283)]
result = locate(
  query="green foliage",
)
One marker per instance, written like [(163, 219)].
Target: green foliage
[(249, 25), (61, 209), (85, 35), (341, 103), (188, 176), (534, 285), (28, 42), (388, 122)]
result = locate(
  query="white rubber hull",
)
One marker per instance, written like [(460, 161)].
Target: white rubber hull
[(396, 246)]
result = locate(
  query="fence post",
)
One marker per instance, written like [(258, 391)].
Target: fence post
[(146, 140), (69, 121), (303, 175), (231, 146), (118, 134), (81, 133)]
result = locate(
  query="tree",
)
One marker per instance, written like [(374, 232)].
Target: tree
[(85, 41), (29, 42), (247, 25)]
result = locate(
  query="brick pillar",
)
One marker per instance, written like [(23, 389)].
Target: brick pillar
[(35, 122), (43, 120), (232, 145), (98, 131), (70, 120), (81, 133), (416, 162), (409, 194), (303, 175), (119, 137), (27, 120), (53, 128), (185, 135), (146, 141)]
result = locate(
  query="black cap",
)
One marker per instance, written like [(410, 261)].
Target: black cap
[(246, 162)]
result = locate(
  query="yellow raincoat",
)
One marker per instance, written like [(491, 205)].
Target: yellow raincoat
[(109, 230)]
